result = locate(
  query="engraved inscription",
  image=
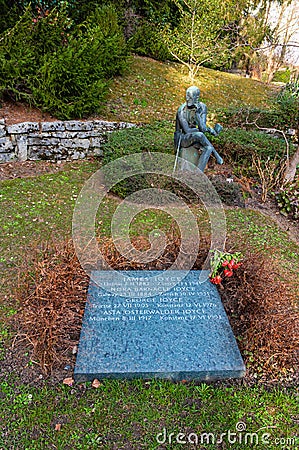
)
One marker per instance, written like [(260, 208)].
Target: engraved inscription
[(182, 302)]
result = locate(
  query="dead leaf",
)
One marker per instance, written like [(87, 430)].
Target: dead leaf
[(69, 381), (96, 383)]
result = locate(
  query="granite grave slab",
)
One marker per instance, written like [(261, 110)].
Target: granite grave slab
[(180, 334)]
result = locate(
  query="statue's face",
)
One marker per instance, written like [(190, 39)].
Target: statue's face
[(192, 96)]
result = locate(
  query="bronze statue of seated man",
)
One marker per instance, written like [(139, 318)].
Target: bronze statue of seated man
[(190, 128)]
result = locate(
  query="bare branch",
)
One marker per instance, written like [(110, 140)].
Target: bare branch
[(272, 130)]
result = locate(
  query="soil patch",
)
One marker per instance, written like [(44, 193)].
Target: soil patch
[(25, 169), (17, 112)]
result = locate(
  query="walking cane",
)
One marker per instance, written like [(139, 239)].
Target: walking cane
[(177, 154)]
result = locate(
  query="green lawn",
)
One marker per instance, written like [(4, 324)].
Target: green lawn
[(151, 89), (149, 415)]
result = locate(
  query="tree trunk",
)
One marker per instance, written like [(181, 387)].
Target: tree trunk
[(290, 171)]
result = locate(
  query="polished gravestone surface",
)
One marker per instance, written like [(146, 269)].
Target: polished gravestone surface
[(180, 334)]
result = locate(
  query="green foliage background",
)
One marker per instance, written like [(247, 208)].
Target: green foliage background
[(59, 66)]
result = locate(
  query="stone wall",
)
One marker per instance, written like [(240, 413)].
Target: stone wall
[(61, 140)]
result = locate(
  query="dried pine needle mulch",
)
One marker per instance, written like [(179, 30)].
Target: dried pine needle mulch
[(52, 299), (264, 314), (260, 306)]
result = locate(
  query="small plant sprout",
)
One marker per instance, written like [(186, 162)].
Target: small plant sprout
[(223, 265)]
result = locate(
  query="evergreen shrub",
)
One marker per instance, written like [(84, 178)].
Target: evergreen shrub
[(9, 14), (287, 103), (61, 67), (146, 41), (156, 137)]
